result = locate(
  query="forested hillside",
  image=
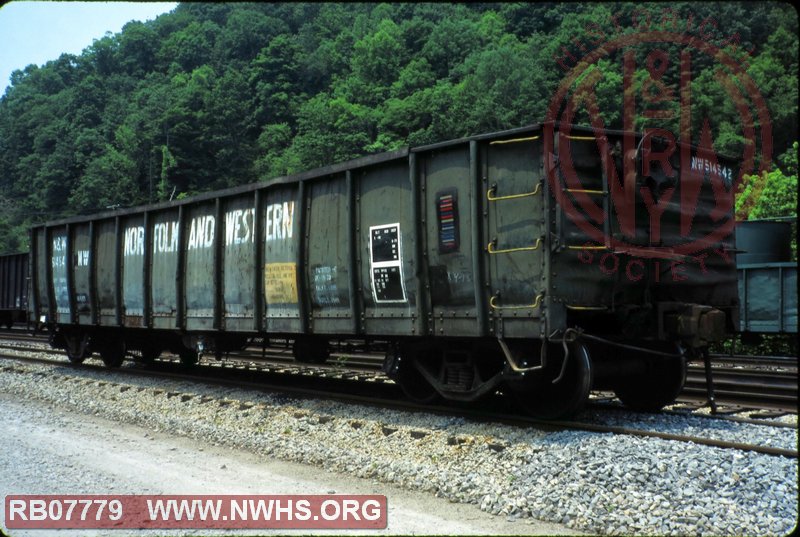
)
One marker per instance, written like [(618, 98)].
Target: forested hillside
[(213, 95)]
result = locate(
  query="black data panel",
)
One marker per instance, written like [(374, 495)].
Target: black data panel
[(385, 244), (388, 284), (386, 264)]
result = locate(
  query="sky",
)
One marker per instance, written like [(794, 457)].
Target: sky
[(37, 32)]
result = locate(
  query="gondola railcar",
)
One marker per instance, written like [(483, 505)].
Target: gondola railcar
[(461, 255)]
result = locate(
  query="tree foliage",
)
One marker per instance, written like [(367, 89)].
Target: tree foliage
[(215, 95), (772, 194)]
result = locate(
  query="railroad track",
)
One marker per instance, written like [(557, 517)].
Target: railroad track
[(21, 334), (353, 387), (740, 381), (766, 382), (744, 360)]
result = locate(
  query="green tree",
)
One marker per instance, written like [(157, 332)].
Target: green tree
[(376, 61), (168, 163), (772, 194), (189, 47), (138, 44), (272, 144), (92, 192), (213, 95), (331, 130), (231, 133), (774, 72), (276, 80), (247, 31)]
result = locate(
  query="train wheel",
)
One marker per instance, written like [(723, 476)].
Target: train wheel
[(414, 385), (311, 350), (536, 394), (77, 348), (113, 354), (658, 386)]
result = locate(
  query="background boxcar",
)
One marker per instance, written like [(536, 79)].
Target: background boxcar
[(461, 255), (767, 277), (13, 288)]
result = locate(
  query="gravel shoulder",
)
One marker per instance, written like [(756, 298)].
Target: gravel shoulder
[(47, 450)]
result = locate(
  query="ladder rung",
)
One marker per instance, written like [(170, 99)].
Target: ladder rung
[(489, 192), (573, 247), (491, 250), (536, 303), (514, 140)]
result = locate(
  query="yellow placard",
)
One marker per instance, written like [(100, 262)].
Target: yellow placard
[(280, 283)]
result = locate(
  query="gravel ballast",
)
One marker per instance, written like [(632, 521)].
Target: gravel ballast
[(592, 482)]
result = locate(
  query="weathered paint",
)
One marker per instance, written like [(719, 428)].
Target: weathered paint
[(58, 259), (328, 269), (385, 200), (239, 262), (81, 279), (105, 271), (199, 280), (281, 250), (460, 239), (164, 270), (133, 244), (448, 193)]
